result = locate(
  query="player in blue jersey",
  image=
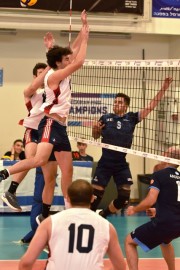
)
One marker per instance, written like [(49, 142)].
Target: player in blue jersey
[(117, 129), (164, 190)]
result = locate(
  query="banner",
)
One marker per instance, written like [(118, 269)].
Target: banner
[(166, 8), (112, 6), (25, 191)]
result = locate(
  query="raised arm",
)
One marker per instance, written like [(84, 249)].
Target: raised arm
[(154, 102), (75, 47), (61, 74), (36, 83), (49, 41)]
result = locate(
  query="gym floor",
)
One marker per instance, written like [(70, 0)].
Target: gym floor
[(14, 226)]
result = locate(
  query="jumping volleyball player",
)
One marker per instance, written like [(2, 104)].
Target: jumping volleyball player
[(117, 129), (52, 128)]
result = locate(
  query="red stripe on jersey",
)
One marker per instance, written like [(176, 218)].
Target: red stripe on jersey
[(47, 131), (29, 106), (56, 92), (27, 136), (21, 122)]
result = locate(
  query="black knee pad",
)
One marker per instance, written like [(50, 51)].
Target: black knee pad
[(123, 197), (98, 194)]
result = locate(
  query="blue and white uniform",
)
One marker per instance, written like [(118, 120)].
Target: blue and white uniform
[(118, 130), (166, 225)]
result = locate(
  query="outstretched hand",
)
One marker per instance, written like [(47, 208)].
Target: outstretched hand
[(84, 17), (167, 83), (49, 40), (130, 211)]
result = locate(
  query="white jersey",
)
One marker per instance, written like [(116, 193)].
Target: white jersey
[(35, 114), (79, 240), (57, 101)]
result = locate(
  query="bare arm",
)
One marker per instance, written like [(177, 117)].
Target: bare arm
[(36, 246), (61, 74), (36, 83), (114, 251), (154, 102), (145, 204), (96, 129), (75, 47)]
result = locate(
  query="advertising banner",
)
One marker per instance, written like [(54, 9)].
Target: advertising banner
[(113, 6), (166, 8)]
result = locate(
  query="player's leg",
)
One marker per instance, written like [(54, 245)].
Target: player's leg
[(9, 197), (123, 180), (99, 182), (131, 253), (64, 159), (50, 173), (169, 255)]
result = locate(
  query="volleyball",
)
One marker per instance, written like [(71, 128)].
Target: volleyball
[(28, 3)]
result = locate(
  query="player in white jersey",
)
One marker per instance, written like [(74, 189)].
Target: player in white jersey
[(78, 238), (52, 128)]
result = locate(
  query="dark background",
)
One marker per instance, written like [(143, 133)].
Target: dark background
[(111, 6)]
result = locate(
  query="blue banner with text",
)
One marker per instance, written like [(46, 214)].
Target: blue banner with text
[(166, 8)]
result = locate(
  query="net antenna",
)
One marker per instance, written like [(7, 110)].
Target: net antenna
[(70, 22)]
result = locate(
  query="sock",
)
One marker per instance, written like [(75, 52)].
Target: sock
[(105, 213), (13, 187), (66, 204), (45, 210)]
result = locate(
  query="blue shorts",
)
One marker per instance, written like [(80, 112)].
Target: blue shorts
[(151, 235), (107, 169), (52, 132), (31, 135)]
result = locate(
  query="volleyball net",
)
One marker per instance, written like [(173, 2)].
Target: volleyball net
[(95, 86)]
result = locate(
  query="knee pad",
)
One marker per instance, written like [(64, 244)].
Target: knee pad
[(98, 194), (123, 197)]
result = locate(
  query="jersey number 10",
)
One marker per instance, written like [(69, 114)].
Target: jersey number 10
[(80, 231)]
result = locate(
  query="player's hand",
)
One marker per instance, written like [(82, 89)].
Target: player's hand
[(98, 126), (84, 17), (167, 83), (49, 40), (130, 211), (151, 212)]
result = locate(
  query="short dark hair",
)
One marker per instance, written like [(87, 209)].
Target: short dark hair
[(38, 66), (18, 140), (55, 54), (126, 98), (80, 193)]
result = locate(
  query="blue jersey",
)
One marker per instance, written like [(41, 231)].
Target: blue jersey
[(118, 130), (167, 181)]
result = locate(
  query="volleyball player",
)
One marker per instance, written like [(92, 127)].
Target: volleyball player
[(33, 97), (52, 128), (78, 238), (165, 226), (117, 129)]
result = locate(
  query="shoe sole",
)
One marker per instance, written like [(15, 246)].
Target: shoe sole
[(38, 221), (8, 204)]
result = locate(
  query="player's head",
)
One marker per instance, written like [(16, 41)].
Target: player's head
[(58, 57), (80, 193), (38, 69), (18, 146), (121, 103)]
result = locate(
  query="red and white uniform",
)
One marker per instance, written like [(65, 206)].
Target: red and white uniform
[(79, 240), (57, 101), (35, 114)]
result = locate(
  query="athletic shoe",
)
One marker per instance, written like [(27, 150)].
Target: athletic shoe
[(3, 175), (11, 200), (39, 219)]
